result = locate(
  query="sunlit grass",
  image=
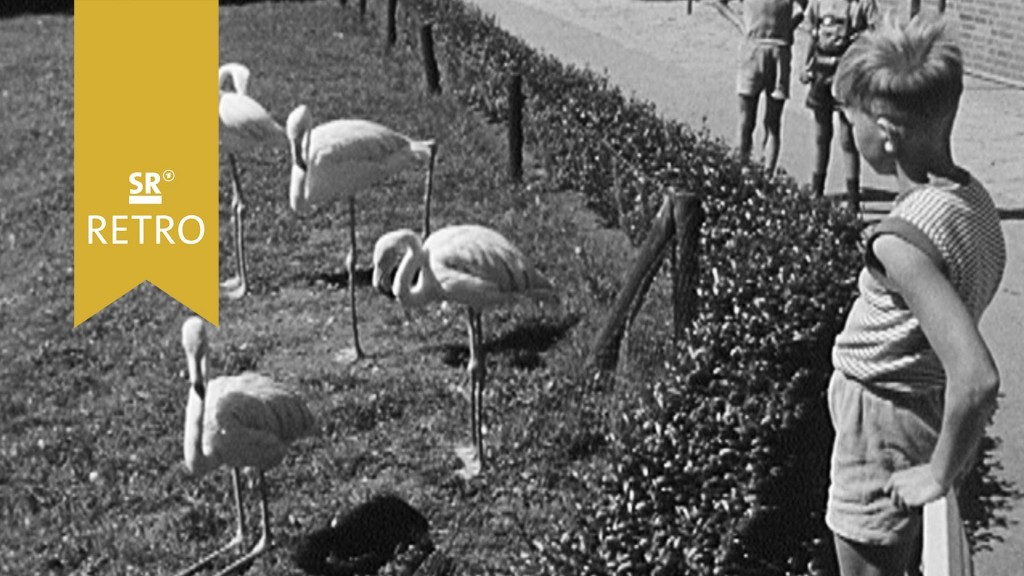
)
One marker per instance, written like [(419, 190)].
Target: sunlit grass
[(90, 418)]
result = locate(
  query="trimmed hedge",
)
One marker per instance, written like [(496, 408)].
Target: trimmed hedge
[(720, 468)]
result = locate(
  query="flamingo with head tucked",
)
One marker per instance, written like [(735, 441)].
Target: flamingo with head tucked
[(244, 126), (470, 265), (243, 421), (338, 159)]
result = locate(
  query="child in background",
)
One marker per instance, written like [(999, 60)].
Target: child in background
[(765, 61), (914, 383), (834, 25)]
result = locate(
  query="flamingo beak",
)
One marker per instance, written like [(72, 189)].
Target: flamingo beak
[(383, 281)]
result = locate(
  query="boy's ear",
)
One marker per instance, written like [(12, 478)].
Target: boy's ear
[(892, 135)]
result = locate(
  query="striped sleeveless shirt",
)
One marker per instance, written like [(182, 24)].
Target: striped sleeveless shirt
[(882, 345)]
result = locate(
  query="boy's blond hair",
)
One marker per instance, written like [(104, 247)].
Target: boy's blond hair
[(911, 74)]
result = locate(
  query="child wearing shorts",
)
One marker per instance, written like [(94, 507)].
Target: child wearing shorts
[(914, 383), (834, 25), (764, 66)]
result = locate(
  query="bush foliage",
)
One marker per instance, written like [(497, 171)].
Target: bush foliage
[(721, 466)]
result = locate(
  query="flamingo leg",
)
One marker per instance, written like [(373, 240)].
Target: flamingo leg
[(428, 191), (350, 263), (235, 542), (477, 372), (237, 287), (262, 545)]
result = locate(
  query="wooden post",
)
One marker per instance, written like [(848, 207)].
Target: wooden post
[(942, 6), (515, 128), (688, 215), (915, 7), (362, 9), (430, 71), (689, 7), (604, 353), (392, 27), (343, 3)]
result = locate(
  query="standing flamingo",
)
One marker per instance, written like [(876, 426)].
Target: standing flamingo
[(244, 125), (240, 421), (470, 265), (338, 159)]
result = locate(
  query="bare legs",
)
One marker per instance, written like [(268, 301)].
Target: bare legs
[(852, 158), (261, 546), (477, 372), (350, 264), (748, 116), (772, 132), (822, 149), (822, 152), (772, 128), (235, 288)]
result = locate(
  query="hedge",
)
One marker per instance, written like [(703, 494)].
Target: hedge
[(721, 467)]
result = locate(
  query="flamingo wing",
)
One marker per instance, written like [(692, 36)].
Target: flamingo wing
[(246, 124), (251, 419), (346, 156), (479, 267)]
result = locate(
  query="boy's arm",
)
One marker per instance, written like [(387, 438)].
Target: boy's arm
[(972, 382)]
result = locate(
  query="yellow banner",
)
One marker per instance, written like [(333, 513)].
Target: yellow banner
[(146, 152)]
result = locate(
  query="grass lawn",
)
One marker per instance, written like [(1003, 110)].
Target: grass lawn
[(91, 479)]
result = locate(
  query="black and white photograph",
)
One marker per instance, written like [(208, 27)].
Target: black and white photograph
[(526, 287)]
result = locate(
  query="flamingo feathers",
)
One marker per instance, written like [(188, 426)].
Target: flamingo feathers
[(466, 264), (337, 159), (246, 420)]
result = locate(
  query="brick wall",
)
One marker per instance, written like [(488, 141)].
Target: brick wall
[(991, 33)]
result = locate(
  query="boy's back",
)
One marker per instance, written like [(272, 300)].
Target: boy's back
[(770, 20)]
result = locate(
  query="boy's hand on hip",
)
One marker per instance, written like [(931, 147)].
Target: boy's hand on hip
[(914, 487)]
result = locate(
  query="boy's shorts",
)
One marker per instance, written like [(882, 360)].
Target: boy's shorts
[(763, 68), (877, 433), (819, 93)]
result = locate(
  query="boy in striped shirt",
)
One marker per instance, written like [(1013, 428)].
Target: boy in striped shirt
[(914, 383)]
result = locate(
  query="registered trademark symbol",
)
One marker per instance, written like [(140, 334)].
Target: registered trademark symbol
[(168, 175)]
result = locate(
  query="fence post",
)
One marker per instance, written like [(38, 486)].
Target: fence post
[(362, 9), (430, 71), (515, 127), (915, 7), (392, 27), (605, 351), (687, 215)]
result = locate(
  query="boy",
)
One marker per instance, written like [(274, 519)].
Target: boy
[(834, 25), (914, 384), (765, 60)]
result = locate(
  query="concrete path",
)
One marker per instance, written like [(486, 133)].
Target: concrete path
[(684, 64)]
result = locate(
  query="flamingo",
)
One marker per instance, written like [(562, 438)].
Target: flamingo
[(239, 421), (244, 125), (470, 265), (338, 159)]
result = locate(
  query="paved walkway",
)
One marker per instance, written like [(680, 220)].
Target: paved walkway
[(684, 64)]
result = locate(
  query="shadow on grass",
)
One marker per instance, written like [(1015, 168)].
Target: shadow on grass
[(338, 280), (522, 346)]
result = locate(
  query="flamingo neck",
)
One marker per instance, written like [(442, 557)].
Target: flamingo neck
[(297, 196), (416, 259), (196, 461)]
